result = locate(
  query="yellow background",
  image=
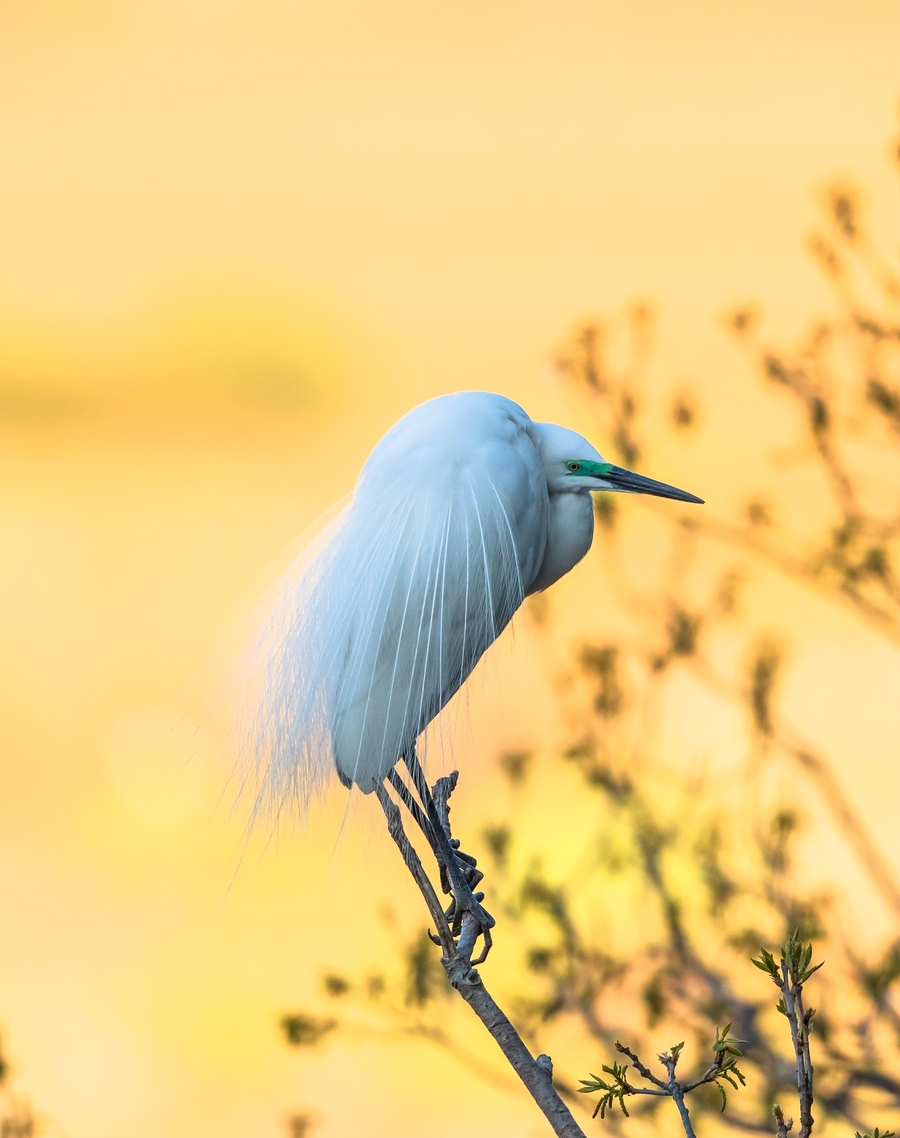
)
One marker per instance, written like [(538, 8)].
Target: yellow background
[(237, 240)]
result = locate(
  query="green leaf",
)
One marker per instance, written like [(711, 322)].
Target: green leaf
[(766, 963), (595, 1085)]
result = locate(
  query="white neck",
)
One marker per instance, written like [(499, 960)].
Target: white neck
[(569, 535)]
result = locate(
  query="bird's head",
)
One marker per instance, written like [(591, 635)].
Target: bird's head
[(572, 465)]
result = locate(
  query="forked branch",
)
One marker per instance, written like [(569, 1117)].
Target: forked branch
[(613, 1091)]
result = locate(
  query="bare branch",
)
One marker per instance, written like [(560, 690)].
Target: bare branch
[(456, 959)]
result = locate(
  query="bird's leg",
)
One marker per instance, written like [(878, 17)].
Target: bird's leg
[(459, 873), (419, 816), (440, 794), (405, 796), (395, 828)]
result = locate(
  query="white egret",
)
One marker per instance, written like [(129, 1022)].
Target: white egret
[(464, 508)]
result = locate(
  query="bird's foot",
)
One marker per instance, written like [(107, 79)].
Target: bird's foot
[(468, 920), (465, 919), (460, 876)]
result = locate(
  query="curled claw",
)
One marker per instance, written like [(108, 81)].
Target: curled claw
[(476, 922), (488, 945)]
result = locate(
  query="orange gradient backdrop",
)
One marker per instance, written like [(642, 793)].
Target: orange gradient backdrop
[(237, 240)]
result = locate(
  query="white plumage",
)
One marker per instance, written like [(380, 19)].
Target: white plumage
[(463, 508)]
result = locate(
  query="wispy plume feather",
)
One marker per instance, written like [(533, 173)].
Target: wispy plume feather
[(380, 620)]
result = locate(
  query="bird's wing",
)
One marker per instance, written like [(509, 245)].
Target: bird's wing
[(382, 627)]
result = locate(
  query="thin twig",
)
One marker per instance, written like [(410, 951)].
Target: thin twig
[(723, 1068), (789, 975), (792, 993), (639, 1066), (456, 959)]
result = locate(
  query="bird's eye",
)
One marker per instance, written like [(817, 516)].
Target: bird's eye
[(573, 467)]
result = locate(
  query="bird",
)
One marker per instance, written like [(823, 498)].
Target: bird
[(464, 508)]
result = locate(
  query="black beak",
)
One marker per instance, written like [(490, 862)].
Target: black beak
[(627, 482)]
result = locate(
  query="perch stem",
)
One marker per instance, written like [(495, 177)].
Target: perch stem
[(536, 1077)]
